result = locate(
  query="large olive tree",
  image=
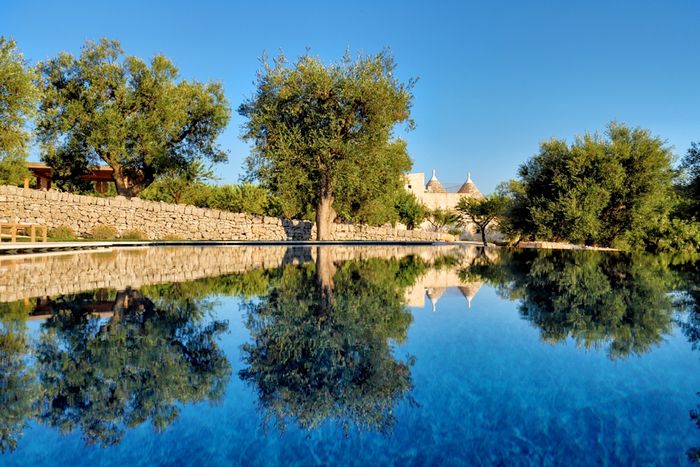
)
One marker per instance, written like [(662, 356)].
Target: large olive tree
[(610, 190), (322, 135), (141, 120)]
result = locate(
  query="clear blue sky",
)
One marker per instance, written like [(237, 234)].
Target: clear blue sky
[(495, 78)]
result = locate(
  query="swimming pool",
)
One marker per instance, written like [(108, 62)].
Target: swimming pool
[(352, 356)]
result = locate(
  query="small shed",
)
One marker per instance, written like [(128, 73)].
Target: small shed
[(101, 176)]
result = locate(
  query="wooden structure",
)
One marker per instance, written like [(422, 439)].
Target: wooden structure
[(27, 228), (101, 177)]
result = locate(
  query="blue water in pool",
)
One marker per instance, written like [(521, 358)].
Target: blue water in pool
[(566, 360)]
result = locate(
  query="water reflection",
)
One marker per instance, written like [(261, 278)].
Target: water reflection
[(321, 339), (689, 323), (611, 300), (106, 364), (323, 326), (18, 385)]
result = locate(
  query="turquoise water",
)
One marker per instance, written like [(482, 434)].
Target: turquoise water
[(566, 359)]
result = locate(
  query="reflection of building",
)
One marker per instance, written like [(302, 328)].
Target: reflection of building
[(434, 195), (433, 285)]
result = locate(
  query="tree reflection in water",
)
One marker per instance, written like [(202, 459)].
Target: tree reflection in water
[(107, 376), (689, 323), (321, 343), (622, 301), (18, 385), (611, 300), (322, 335)]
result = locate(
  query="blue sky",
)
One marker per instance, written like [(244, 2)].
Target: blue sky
[(495, 78)]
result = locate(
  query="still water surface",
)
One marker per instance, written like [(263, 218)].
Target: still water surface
[(382, 355)]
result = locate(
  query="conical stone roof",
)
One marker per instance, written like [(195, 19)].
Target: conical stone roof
[(434, 294), (434, 185), (469, 291), (469, 188)]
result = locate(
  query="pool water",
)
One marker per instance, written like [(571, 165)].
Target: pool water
[(449, 356)]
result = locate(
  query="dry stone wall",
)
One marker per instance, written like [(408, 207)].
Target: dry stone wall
[(161, 220)]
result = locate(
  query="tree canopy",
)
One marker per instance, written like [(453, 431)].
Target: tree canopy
[(603, 190), (322, 135), (140, 120), (691, 181), (482, 211), (18, 97)]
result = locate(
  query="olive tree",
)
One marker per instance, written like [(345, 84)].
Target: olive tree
[(482, 211), (137, 118), (323, 135), (612, 189), (18, 97)]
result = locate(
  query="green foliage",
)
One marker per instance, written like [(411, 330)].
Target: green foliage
[(103, 232), (134, 234), (321, 348), (678, 236), (613, 300), (18, 97), (102, 107), (410, 211), (151, 357), (322, 136), (690, 182), (609, 191), (440, 218), (18, 385), (246, 197), (62, 232), (174, 183), (482, 211), (247, 285)]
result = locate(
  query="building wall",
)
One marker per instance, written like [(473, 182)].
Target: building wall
[(161, 220), (415, 183)]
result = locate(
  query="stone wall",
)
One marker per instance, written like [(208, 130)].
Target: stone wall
[(161, 220)]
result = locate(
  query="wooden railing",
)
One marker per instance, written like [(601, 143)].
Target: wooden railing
[(26, 228)]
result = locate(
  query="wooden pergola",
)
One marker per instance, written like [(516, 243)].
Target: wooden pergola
[(101, 176)]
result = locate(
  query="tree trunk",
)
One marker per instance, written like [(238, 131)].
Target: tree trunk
[(128, 186), (121, 182), (325, 215), (325, 270), (483, 234)]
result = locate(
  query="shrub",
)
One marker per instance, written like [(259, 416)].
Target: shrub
[(134, 234), (62, 232), (454, 231), (104, 232), (410, 210)]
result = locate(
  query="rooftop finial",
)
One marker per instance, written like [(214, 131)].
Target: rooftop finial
[(469, 177), (434, 174)]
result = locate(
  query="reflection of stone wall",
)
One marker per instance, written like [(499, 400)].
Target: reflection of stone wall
[(51, 275), (161, 220)]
